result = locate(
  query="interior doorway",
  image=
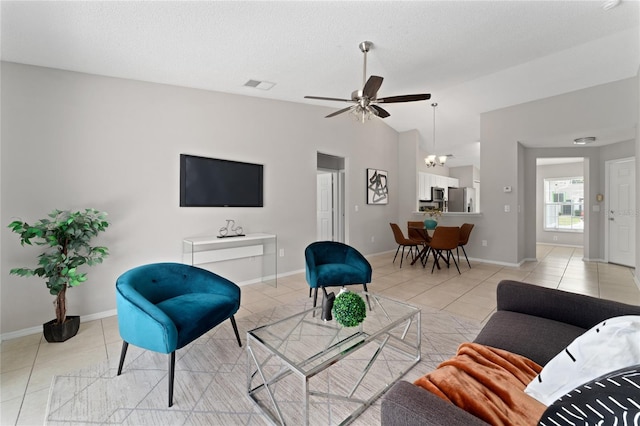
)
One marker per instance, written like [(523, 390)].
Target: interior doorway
[(620, 202), (561, 218), (330, 210)]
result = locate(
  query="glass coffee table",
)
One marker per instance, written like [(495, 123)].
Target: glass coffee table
[(303, 370)]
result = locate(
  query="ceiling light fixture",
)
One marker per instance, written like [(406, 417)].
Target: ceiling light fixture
[(610, 4), (433, 160), (584, 140)]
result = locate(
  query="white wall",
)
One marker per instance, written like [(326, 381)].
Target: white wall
[(408, 151), (466, 175), (72, 140), (637, 149)]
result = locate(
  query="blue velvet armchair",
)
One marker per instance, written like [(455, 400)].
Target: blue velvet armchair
[(164, 306), (330, 264)]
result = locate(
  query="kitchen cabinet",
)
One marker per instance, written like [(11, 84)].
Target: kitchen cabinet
[(424, 186), (428, 180)]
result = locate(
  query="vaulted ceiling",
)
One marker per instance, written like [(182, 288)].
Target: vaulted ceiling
[(472, 56)]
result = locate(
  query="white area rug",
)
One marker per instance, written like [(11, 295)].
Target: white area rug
[(211, 379)]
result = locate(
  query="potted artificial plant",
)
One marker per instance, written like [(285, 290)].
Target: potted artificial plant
[(67, 236)]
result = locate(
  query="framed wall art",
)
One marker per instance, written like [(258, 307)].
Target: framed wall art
[(377, 188)]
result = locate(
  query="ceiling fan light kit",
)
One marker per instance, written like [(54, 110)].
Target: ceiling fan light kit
[(434, 160), (365, 101)]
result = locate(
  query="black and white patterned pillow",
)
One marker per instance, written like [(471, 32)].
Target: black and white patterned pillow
[(608, 346), (612, 399)]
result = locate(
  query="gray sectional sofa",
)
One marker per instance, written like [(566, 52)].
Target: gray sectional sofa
[(530, 320)]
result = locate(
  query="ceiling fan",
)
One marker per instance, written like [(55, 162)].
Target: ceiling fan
[(365, 100)]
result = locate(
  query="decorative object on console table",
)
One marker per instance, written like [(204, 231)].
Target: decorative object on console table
[(67, 235), (377, 188), (230, 227), (349, 308)]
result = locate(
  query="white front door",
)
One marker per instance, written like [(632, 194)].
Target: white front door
[(621, 208), (324, 207)]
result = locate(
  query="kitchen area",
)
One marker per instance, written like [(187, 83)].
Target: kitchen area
[(448, 194)]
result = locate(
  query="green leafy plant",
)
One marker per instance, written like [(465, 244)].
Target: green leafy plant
[(349, 309), (67, 235)]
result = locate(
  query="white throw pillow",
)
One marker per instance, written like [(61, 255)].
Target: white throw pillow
[(609, 346)]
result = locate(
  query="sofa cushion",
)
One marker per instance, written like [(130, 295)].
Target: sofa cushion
[(406, 404), (536, 338), (613, 398), (610, 345)]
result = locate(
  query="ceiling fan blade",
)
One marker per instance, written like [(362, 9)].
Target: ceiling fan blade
[(340, 111), (382, 113), (405, 98), (370, 89), (328, 99)]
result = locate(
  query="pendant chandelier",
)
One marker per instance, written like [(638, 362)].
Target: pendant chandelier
[(433, 159)]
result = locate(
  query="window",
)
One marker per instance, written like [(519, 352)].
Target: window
[(564, 204)]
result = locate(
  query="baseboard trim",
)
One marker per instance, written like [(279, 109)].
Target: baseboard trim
[(499, 263), (38, 329), (562, 245)]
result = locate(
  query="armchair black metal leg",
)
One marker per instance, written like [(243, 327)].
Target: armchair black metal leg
[(435, 260), (123, 353), (394, 261), (465, 256), (235, 329), (367, 295), (425, 257), (454, 261), (309, 291), (402, 258), (172, 370), (458, 253)]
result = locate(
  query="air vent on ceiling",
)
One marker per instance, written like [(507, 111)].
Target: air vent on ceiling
[(262, 85)]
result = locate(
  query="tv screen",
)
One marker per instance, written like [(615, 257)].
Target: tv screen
[(211, 182)]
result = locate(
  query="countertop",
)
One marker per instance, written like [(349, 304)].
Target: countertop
[(445, 214)]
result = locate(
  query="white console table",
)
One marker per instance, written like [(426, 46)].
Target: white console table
[(211, 249)]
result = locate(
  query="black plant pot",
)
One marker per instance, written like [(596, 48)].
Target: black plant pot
[(61, 332)]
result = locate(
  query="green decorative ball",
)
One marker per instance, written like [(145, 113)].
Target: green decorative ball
[(349, 309)]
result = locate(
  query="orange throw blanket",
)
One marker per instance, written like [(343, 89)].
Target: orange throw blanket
[(488, 383)]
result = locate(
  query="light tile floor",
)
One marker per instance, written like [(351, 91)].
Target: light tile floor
[(29, 363)]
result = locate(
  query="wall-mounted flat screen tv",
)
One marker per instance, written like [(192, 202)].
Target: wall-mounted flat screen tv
[(212, 182)]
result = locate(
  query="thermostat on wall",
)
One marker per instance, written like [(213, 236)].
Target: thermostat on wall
[(506, 189)]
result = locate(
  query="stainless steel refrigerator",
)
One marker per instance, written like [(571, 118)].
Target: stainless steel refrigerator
[(461, 200)]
